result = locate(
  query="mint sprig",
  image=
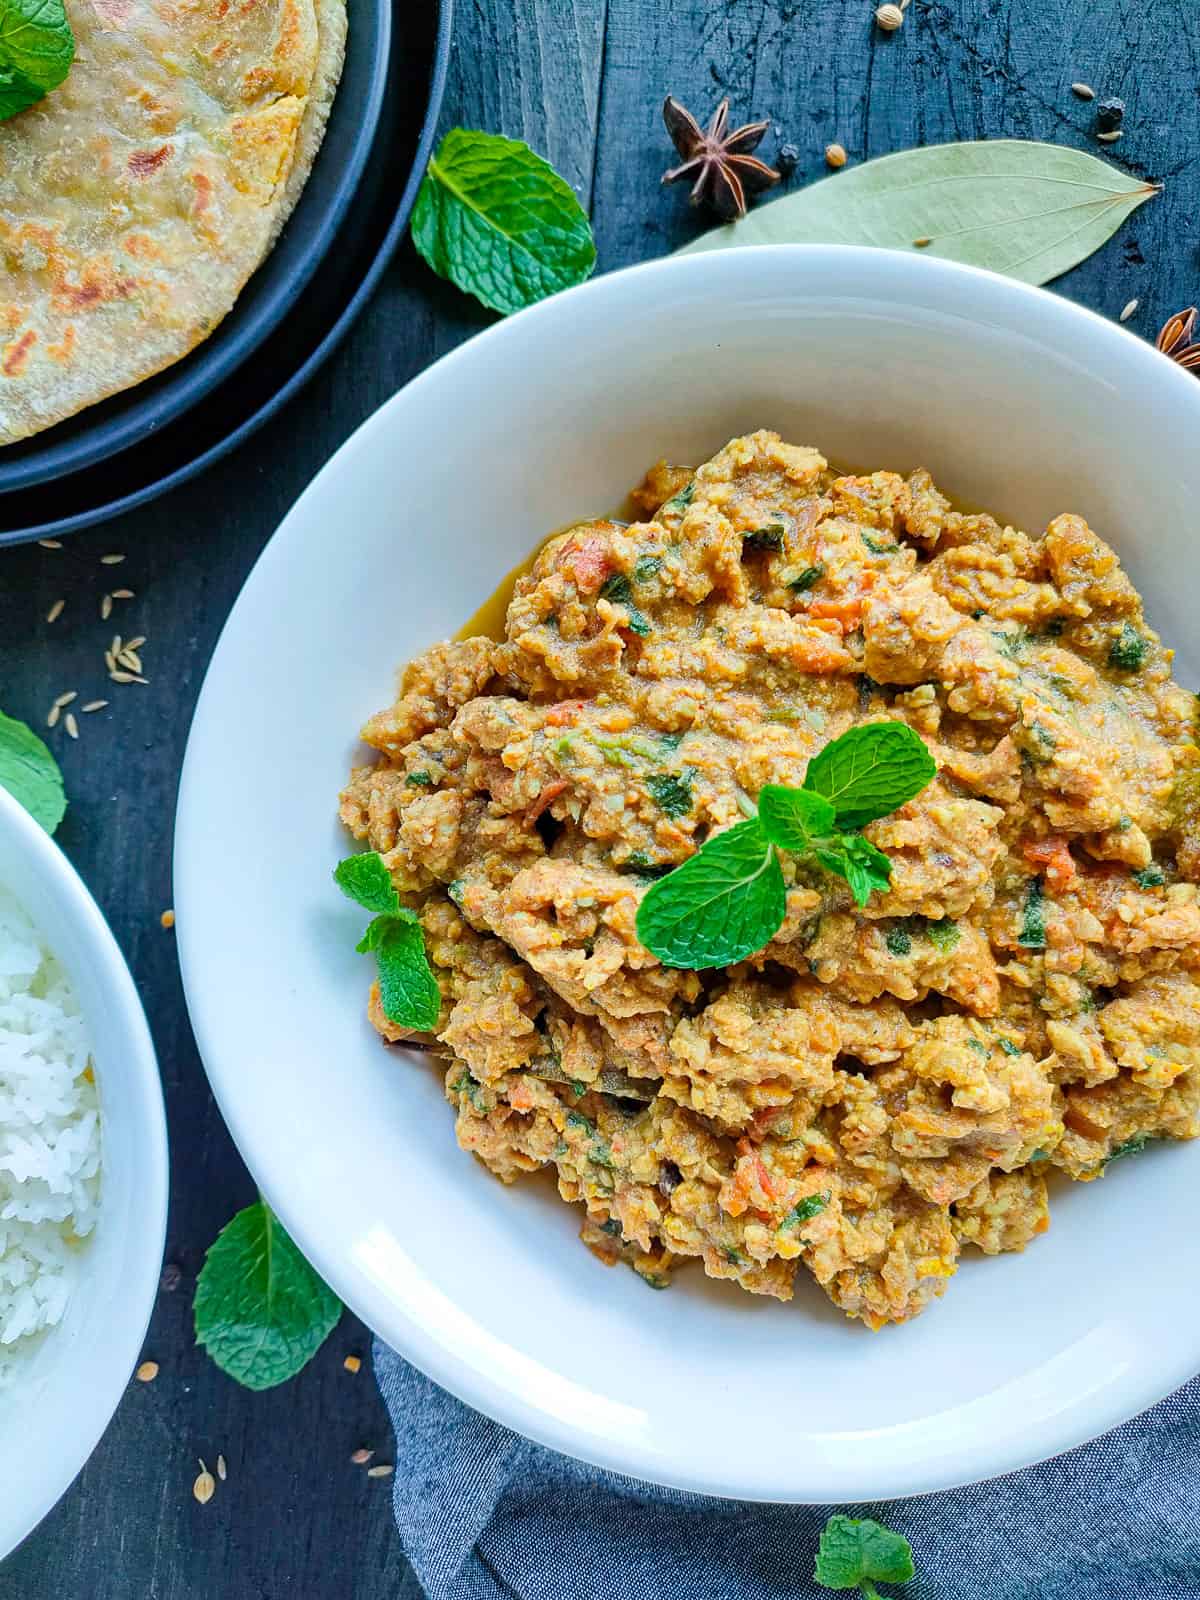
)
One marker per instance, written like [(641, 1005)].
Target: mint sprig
[(37, 47), (729, 899), (408, 989), (260, 1310), (499, 222), (857, 1553)]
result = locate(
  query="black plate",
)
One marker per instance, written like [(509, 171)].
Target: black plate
[(370, 230)]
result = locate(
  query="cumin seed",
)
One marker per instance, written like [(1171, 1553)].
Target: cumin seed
[(380, 1471), (361, 1456), (222, 1470), (106, 608), (94, 705), (55, 713), (1111, 136), (1083, 90), (122, 594), (65, 699), (71, 725), (113, 560), (56, 611), (1127, 310), (122, 677), (50, 544)]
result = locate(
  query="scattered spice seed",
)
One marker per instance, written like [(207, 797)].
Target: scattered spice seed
[(130, 658), (167, 920), (122, 594), (50, 544), (113, 560), (717, 163), (890, 17), (106, 608), (205, 1485), (835, 156), (172, 1277), (65, 699), (56, 611), (122, 677), (71, 725), (222, 1470), (787, 159), (1127, 310), (1111, 136), (135, 644), (919, 244), (1175, 338), (55, 713), (147, 1372), (1083, 90), (353, 1363), (94, 705), (381, 1471), (362, 1456)]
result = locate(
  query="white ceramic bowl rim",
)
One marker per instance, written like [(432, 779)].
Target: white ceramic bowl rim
[(1065, 325), (81, 1369)]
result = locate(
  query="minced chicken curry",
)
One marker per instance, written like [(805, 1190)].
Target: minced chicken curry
[(878, 1088)]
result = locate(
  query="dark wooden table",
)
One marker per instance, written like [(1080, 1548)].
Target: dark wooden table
[(582, 80)]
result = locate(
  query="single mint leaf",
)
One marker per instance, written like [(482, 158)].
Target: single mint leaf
[(1129, 1147), (857, 1553), (671, 792), (792, 817), (499, 222), (36, 40), (805, 1210), (29, 772), (856, 859), (870, 771), (807, 579), (379, 926), (261, 1311), (17, 92), (720, 906), (1033, 917), (1016, 206), (408, 989), (365, 880)]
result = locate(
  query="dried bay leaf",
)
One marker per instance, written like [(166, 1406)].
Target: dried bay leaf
[(1015, 206)]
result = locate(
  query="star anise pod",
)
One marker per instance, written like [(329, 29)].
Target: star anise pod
[(716, 162), (1175, 339)]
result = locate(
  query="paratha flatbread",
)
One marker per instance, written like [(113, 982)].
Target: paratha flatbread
[(137, 198), (331, 32)]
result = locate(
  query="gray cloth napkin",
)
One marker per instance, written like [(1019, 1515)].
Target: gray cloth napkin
[(484, 1514)]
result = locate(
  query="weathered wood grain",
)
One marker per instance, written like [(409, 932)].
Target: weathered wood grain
[(583, 81)]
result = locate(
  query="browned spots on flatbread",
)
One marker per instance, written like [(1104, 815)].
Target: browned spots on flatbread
[(64, 349), (97, 284), (113, 13), (204, 188), (17, 354), (144, 163), (11, 318), (142, 247), (255, 82)]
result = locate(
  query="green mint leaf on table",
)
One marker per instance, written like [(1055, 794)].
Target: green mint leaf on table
[(792, 818), (499, 222), (1015, 206), (261, 1311), (408, 989), (365, 880), (857, 1553), (30, 773), (870, 770), (720, 906)]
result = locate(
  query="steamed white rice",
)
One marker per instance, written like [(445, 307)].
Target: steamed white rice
[(49, 1137)]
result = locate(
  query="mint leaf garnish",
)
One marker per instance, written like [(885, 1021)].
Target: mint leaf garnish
[(792, 818), (719, 906), (499, 222), (805, 1210), (1033, 917), (366, 880), (943, 935), (36, 51), (408, 989), (857, 1553), (27, 769), (261, 1311), (870, 771), (17, 92), (856, 859)]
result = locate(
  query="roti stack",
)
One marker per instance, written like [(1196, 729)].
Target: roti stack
[(138, 198)]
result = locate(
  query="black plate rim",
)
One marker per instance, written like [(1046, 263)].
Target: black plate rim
[(97, 515), (197, 375)]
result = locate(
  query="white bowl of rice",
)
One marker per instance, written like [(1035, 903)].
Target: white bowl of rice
[(83, 1174)]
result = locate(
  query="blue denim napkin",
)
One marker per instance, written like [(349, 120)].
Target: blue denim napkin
[(486, 1515)]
